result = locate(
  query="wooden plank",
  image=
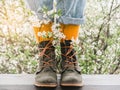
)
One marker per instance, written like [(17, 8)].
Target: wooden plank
[(91, 82), (101, 79)]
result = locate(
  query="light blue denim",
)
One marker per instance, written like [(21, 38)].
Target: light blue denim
[(72, 10)]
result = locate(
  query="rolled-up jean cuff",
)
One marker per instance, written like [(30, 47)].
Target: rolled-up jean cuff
[(70, 20), (66, 20)]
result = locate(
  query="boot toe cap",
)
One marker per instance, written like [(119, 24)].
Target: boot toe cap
[(46, 79), (71, 79)]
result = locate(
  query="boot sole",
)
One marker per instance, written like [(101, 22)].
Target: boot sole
[(45, 85), (72, 84)]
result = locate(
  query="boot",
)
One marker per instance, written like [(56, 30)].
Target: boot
[(46, 74), (71, 73)]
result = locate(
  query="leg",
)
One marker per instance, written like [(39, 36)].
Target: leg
[(71, 19), (46, 73)]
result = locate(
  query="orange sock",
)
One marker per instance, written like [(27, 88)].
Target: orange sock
[(43, 27), (71, 31)]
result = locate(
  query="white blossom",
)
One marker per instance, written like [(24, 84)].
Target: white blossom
[(77, 41), (50, 12), (99, 52), (83, 57), (42, 33)]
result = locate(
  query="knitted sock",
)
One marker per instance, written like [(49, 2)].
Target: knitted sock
[(71, 31), (42, 28)]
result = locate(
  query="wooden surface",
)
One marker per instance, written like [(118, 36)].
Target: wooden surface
[(91, 82)]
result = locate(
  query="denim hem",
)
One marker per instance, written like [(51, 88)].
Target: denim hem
[(70, 20)]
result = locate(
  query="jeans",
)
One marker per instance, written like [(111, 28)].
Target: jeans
[(72, 10)]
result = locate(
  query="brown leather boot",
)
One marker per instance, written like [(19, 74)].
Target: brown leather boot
[(71, 74), (46, 74)]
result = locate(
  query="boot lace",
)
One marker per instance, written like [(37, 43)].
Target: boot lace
[(70, 61), (46, 63)]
